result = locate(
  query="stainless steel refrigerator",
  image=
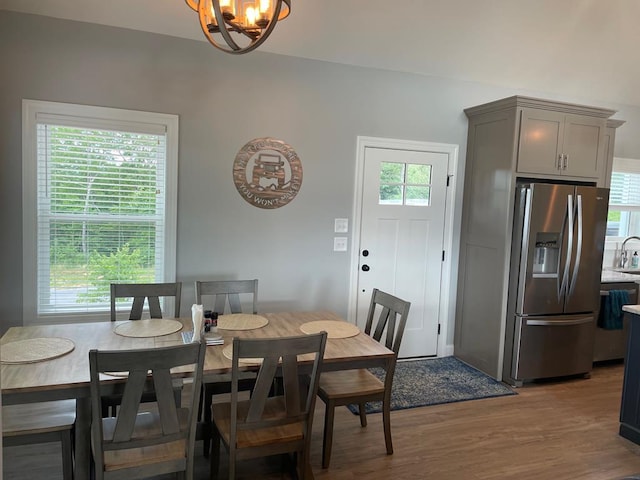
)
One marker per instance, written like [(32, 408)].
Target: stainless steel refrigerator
[(554, 282)]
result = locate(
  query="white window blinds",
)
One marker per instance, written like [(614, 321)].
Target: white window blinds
[(624, 199), (104, 209), (625, 189)]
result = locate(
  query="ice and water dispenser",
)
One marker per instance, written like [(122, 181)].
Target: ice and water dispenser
[(546, 254)]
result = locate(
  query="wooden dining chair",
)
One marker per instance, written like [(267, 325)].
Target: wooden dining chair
[(149, 291), (141, 292), (43, 422), (270, 425), (217, 295), (348, 387), (227, 292), (142, 442)]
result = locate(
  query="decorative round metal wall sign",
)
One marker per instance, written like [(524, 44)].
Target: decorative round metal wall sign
[(267, 173)]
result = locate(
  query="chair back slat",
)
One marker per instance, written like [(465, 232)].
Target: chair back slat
[(136, 308), (146, 291), (291, 385), (154, 307), (381, 324), (264, 381), (228, 292), (130, 405), (234, 303), (166, 401), (220, 303), (391, 330)]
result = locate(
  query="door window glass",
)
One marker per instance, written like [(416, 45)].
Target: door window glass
[(405, 184)]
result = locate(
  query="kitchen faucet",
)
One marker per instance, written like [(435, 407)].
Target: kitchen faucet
[(623, 252)]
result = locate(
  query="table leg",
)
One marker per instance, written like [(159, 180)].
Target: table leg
[(83, 439)]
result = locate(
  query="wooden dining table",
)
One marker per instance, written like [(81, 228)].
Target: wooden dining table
[(68, 376)]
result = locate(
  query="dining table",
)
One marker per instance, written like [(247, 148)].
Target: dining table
[(67, 376)]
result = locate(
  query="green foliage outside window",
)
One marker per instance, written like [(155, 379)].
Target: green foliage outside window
[(102, 193), (122, 266), (394, 178)]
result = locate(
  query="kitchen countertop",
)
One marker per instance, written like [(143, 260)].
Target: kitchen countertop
[(612, 276), (635, 309)]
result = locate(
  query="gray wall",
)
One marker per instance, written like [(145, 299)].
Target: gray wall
[(223, 101)]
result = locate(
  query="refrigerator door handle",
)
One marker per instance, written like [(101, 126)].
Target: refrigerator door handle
[(559, 275), (524, 246), (559, 323), (576, 268), (567, 263)]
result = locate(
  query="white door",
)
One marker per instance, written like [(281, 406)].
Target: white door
[(402, 236)]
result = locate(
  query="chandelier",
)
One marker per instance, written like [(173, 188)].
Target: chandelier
[(239, 26)]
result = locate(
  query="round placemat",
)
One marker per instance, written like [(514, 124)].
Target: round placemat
[(227, 351), (151, 327), (334, 328), (241, 321), (35, 350)]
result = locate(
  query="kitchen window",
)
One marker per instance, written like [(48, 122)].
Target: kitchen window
[(624, 200), (99, 206)]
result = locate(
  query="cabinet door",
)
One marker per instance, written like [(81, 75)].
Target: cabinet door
[(583, 147), (540, 145)]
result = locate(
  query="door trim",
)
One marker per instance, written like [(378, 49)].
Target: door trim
[(452, 224)]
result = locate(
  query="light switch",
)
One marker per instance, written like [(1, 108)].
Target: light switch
[(339, 244), (341, 225)]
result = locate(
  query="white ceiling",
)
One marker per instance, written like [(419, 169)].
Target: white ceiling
[(576, 48)]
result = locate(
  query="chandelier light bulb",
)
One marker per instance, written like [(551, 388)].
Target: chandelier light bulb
[(250, 16)]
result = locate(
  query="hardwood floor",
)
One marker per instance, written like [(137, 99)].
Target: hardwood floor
[(553, 430)]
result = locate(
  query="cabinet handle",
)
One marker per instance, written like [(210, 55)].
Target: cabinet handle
[(560, 162), (565, 161)]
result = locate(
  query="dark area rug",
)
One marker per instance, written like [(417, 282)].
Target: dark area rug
[(434, 381)]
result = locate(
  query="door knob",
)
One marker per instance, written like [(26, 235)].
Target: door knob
[(365, 268), (365, 253)]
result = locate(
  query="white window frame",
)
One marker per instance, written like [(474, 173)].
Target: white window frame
[(626, 165), (31, 109)]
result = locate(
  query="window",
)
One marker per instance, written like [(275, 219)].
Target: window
[(99, 188), (405, 184), (624, 199)]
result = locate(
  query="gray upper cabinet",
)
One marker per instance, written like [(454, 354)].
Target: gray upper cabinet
[(559, 144)]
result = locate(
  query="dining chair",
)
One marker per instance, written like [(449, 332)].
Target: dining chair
[(141, 291), (43, 422), (269, 425), (140, 441), (218, 294), (348, 387), (227, 292)]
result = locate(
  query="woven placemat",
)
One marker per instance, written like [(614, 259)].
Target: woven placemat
[(241, 321), (35, 350), (228, 353), (334, 328), (151, 327)]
